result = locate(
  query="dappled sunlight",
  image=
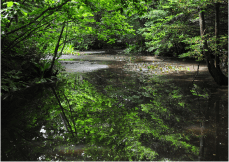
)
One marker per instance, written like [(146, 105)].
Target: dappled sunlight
[(120, 113), (107, 80)]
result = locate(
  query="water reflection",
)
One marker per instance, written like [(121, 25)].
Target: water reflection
[(113, 114), (83, 66)]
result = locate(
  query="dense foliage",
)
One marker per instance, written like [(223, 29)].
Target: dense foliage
[(32, 30), (190, 29), (125, 122)]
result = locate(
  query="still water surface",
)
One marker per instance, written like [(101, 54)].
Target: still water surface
[(105, 108)]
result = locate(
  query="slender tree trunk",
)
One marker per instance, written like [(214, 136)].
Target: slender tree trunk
[(57, 46), (217, 35), (62, 114), (202, 142), (216, 73)]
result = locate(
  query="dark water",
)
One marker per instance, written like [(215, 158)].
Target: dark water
[(114, 114)]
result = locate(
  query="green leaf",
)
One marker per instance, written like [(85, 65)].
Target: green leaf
[(24, 11), (10, 4)]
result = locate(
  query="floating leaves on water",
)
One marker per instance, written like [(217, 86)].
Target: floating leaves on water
[(170, 67)]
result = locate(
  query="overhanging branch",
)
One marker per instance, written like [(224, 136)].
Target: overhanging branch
[(48, 9)]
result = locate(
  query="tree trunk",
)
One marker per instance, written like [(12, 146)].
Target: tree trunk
[(217, 35), (215, 72), (56, 49)]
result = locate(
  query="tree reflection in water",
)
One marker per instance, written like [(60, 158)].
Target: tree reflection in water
[(125, 118)]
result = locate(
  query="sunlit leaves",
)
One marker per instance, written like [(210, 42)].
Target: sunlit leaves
[(197, 91), (175, 139), (10, 4), (181, 104)]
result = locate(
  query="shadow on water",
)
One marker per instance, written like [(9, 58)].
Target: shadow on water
[(115, 114)]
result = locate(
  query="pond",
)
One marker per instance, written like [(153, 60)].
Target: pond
[(115, 107)]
